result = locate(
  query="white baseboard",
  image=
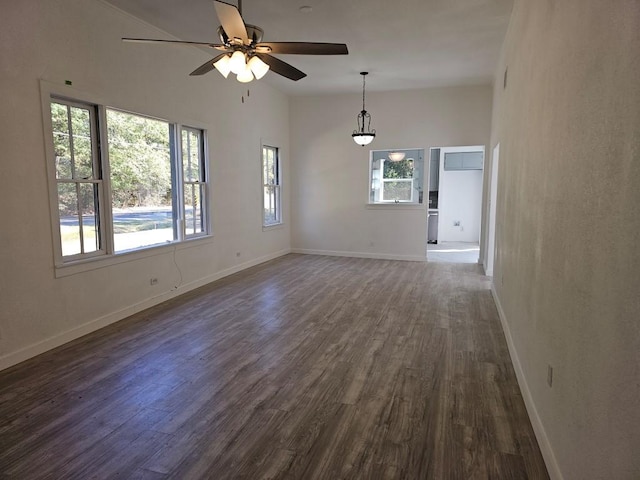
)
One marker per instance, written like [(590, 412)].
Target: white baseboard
[(541, 435), (378, 256), (30, 351)]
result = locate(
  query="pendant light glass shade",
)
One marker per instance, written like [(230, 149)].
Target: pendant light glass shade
[(258, 67), (396, 156), (222, 66), (361, 136), (363, 139)]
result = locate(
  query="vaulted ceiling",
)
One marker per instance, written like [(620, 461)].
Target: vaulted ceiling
[(404, 44)]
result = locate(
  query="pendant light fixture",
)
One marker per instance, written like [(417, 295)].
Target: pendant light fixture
[(361, 136), (396, 156)]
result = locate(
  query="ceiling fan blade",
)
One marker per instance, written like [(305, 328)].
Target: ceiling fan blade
[(207, 67), (178, 42), (281, 68), (304, 48), (231, 21)]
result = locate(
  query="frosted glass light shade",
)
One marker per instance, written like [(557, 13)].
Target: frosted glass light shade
[(245, 76), (223, 66), (258, 67), (363, 138), (396, 156), (237, 62)]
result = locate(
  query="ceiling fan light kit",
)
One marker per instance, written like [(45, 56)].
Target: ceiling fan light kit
[(258, 67), (361, 136), (237, 62), (223, 65), (245, 76), (244, 54)]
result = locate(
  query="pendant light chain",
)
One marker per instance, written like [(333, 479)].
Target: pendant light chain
[(364, 79), (361, 136)]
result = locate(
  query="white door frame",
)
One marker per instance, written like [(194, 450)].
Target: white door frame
[(493, 197)]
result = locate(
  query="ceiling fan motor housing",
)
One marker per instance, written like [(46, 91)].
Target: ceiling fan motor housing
[(254, 33)]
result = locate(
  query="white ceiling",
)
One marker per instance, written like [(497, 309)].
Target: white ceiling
[(404, 44)]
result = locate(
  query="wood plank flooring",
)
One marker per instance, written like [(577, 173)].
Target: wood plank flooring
[(306, 367)]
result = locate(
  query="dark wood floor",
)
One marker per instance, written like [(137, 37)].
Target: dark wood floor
[(306, 367)]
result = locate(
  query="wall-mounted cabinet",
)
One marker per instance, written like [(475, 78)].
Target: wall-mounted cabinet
[(463, 161)]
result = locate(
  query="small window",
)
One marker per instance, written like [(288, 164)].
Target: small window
[(396, 176), (194, 182), (271, 202)]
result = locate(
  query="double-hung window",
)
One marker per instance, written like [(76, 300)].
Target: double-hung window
[(271, 197), (193, 181), (78, 178), (124, 181)]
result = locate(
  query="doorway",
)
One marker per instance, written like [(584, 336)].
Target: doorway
[(455, 204)]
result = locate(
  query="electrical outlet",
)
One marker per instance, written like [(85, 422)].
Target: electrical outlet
[(153, 281), (456, 223), (549, 376)]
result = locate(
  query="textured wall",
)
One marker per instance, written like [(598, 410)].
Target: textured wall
[(330, 191), (79, 40), (567, 267)]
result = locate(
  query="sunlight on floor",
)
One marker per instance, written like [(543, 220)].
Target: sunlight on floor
[(453, 252)]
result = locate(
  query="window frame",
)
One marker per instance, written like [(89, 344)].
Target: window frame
[(384, 180), (97, 179), (203, 181), (416, 181), (277, 185), (69, 265)]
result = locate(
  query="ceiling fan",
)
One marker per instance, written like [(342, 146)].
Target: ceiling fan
[(244, 52)]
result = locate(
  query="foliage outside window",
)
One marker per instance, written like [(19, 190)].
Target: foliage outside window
[(78, 178), (194, 185), (141, 181), (271, 186), (396, 181), (143, 188)]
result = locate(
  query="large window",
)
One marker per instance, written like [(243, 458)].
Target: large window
[(272, 214), (143, 185), (396, 177)]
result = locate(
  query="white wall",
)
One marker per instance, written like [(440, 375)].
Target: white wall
[(459, 201), (329, 197), (567, 265), (461, 193), (79, 40)]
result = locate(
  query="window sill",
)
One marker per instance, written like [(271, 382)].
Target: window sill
[(395, 206), (103, 261), (275, 226)]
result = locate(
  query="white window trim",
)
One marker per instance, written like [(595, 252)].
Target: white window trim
[(182, 235), (65, 267)]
